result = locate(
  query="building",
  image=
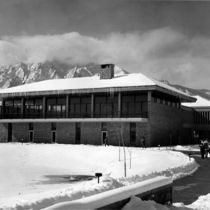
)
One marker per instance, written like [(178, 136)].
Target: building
[(86, 110), (200, 125)]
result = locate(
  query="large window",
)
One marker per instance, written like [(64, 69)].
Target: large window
[(80, 107), (34, 108), (56, 107), (134, 106), (13, 108), (106, 106)]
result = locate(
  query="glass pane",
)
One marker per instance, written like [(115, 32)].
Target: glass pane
[(83, 108), (141, 97), (124, 107), (112, 99), (29, 102), (77, 108), (131, 107), (127, 98), (137, 107), (39, 101), (100, 99), (63, 108), (61, 101), (8, 102), (97, 108), (144, 106), (51, 101), (75, 100), (86, 99), (17, 103)]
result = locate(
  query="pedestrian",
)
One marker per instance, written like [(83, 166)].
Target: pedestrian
[(106, 141), (143, 142), (206, 146), (202, 149)]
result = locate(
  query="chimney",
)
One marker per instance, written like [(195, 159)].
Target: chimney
[(107, 71)]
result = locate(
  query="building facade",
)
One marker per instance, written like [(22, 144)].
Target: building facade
[(87, 110)]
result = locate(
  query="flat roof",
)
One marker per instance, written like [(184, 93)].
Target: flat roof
[(127, 82)]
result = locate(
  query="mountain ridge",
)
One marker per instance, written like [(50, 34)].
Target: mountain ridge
[(22, 73)]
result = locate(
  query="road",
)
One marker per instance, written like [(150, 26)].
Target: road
[(188, 189)]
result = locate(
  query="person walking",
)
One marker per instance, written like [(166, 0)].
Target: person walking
[(143, 142), (106, 141), (202, 149)]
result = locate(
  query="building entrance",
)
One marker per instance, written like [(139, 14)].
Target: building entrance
[(103, 136), (31, 136), (53, 136)]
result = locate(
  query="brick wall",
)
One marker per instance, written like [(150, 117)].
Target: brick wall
[(166, 121), (114, 133), (42, 132), (143, 129), (20, 132), (91, 133), (3, 132), (66, 133)]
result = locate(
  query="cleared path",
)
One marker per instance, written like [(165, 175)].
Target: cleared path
[(188, 189)]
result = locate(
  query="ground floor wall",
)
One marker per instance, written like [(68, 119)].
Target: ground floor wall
[(159, 130), (166, 125)]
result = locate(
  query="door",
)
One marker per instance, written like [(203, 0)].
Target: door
[(9, 132), (78, 133), (103, 136), (53, 136), (31, 136)]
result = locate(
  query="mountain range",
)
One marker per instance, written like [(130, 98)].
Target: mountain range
[(21, 73)]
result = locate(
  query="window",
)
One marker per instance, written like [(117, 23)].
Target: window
[(56, 107), (31, 126), (134, 106), (53, 126), (34, 108), (106, 106)]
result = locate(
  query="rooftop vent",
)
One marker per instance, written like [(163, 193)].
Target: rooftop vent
[(107, 71)]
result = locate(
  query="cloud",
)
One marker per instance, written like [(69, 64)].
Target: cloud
[(161, 53)]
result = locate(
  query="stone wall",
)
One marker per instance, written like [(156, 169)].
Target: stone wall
[(42, 132), (66, 133), (20, 132), (91, 133), (3, 132), (166, 125)]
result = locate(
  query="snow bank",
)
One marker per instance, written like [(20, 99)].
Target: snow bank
[(24, 184)]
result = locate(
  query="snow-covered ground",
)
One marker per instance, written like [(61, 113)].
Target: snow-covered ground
[(34, 176)]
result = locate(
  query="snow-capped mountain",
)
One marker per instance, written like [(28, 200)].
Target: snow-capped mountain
[(22, 73), (190, 91)]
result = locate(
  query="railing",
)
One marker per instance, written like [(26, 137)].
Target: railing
[(50, 115)]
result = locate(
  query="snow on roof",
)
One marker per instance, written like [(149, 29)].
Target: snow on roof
[(59, 85), (201, 102)]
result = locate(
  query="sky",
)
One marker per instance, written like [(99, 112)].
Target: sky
[(161, 39)]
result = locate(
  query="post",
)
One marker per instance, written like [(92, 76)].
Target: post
[(44, 107), (119, 104), (67, 106), (22, 107), (92, 105)]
